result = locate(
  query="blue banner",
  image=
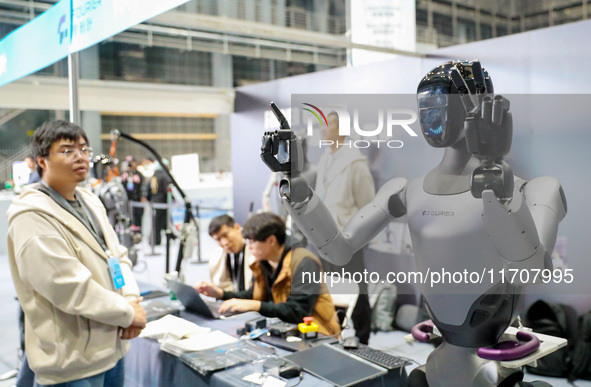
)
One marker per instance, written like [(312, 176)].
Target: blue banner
[(37, 44), (97, 20), (70, 26)]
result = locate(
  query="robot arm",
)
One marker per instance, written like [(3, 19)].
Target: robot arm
[(282, 151), (521, 219), (317, 224), (524, 229)]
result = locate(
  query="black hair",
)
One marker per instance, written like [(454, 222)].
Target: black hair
[(261, 226), (50, 132), (219, 221)]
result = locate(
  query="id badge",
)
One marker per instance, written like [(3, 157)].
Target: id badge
[(116, 274)]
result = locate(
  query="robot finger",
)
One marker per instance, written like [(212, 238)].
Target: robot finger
[(283, 124), (463, 89), (472, 134), (487, 109), (500, 107), (478, 75)]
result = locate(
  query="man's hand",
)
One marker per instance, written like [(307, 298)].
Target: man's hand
[(236, 305), (139, 317), (209, 290), (130, 332)]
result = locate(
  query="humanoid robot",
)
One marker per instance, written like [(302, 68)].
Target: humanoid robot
[(468, 214)]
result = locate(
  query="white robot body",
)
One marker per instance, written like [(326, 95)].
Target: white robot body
[(450, 243)]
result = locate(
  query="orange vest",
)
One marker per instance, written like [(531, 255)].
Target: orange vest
[(324, 311)]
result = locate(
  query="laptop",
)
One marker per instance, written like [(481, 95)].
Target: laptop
[(194, 302), (336, 366)]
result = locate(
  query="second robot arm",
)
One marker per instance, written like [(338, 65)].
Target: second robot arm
[(317, 224), (524, 230)]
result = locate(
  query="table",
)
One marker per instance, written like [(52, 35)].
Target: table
[(147, 366)]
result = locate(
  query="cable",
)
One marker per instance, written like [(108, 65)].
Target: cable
[(299, 381), (326, 337)]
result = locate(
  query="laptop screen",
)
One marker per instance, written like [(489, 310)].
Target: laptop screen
[(190, 298)]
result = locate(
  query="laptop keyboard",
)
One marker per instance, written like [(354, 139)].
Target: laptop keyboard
[(380, 358), (214, 306)]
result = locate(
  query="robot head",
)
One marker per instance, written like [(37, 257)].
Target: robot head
[(101, 165), (441, 111)]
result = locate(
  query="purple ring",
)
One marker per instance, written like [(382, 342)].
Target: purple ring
[(421, 331), (511, 350)]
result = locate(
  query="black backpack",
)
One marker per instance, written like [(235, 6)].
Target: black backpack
[(550, 318), (581, 351)]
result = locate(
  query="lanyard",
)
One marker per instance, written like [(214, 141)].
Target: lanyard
[(236, 271), (90, 224)]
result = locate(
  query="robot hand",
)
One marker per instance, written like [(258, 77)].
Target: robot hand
[(282, 151), (489, 129)]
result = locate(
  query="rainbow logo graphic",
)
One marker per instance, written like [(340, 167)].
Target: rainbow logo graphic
[(62, 33), (316, 115)]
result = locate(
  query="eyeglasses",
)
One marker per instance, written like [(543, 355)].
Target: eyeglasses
[(86, 152)]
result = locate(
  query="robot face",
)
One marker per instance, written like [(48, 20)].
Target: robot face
[(433, 116), (437, 115)]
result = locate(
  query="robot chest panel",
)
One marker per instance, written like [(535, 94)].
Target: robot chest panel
[(447, 231)]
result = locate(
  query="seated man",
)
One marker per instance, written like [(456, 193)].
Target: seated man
[(278, 289), (231, 271)]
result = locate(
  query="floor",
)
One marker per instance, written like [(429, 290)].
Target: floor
[(150, 269)]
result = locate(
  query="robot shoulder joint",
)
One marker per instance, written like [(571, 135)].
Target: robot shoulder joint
[(546, 191)]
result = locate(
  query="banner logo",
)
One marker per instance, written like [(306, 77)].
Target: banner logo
[(316, 115), (62, 33), (377, 130)]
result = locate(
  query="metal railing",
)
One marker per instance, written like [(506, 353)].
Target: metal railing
[(11, 154), (426, 35), (256, 11)]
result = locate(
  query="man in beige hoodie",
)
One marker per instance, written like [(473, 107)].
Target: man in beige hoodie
[(72, 277)]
